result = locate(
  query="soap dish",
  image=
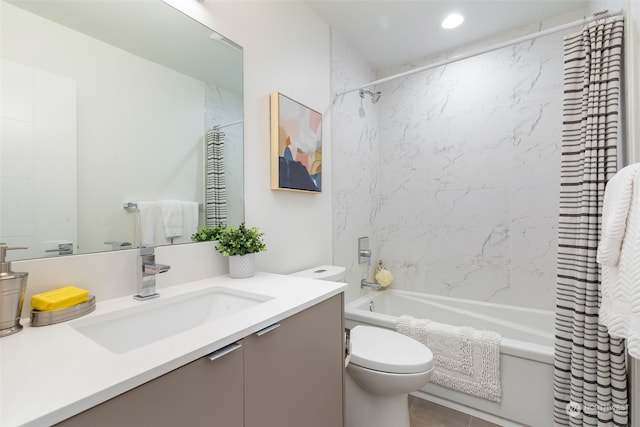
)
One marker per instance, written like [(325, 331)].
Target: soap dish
[(49, 317)]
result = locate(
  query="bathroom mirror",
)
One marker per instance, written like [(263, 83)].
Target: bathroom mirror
[(106, 103)]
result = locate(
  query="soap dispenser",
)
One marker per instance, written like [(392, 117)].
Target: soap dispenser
[(12, 289)]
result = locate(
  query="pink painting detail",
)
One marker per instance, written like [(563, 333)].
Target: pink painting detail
[(301, 128)]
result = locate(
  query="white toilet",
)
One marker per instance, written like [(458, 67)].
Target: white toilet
[(384, 367)]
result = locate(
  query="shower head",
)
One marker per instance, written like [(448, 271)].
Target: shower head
[(375, 96)]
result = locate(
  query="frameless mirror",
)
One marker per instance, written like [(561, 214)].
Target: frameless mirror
[(106, 103)]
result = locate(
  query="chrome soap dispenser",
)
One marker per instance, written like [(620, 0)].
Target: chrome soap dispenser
[(12, 289)]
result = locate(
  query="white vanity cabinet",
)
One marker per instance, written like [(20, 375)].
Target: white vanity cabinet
[(289, 374)]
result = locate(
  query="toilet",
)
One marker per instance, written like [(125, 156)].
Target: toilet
[(384, 367)]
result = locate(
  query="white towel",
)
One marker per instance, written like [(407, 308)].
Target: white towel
[(619, 255), (465, 359), (615, 210), (150, 228), (190, 212), (172, 218)]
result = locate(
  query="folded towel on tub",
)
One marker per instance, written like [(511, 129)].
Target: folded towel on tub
[(465, 359)]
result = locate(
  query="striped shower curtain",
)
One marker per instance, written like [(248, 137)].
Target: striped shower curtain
[(590, 380), (215, 193)]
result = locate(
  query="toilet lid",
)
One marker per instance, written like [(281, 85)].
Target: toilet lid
[(388, 351)]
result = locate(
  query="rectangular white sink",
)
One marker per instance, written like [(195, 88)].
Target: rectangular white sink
[(150, 321)]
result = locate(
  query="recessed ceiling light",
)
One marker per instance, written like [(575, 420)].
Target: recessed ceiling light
[(452, 21)]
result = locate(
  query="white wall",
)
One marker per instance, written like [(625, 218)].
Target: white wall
[(286, 49), (39, 203), (123, 102)]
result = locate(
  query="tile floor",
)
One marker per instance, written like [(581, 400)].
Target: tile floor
[(427, 414)]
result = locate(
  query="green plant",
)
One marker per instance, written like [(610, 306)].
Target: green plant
[(240, 241), (207, 234)]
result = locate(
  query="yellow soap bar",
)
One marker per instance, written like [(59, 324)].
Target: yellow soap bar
[(59, 298)]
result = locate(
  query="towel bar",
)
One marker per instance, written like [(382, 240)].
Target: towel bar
[(133, 205)]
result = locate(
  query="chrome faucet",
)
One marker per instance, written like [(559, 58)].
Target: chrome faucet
[(372, 285), (147, 270)]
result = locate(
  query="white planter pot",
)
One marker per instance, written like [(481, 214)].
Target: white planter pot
[(242, 266)]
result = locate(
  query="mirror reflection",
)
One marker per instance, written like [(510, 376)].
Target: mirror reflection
[(107, 105)]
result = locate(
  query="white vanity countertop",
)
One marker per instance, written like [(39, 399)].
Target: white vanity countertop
[(50, 373)]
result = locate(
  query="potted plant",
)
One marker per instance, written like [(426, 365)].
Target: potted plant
[(240, 244), (208, 234)]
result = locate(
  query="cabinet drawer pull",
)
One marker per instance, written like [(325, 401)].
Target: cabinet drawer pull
[(223, 351), (268, 329)]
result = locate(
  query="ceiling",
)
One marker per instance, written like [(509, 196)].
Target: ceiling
[(140, 27), (390, 33)]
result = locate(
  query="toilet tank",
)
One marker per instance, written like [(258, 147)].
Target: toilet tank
[(332, 273)]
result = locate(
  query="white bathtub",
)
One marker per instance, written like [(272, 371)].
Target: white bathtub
[(526, 359)]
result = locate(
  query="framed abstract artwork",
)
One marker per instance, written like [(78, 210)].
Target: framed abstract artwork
[(296, 146)]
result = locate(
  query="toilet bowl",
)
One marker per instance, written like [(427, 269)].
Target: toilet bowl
[(384, 367)]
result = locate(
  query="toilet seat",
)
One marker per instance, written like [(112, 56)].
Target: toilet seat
[(388, 351)]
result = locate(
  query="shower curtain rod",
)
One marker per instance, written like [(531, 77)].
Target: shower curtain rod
[(227, 124), (598, 15)]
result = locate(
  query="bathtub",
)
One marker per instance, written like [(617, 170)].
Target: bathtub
[(526, 359)]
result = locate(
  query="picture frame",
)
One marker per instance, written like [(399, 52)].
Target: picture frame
[(296, 146)]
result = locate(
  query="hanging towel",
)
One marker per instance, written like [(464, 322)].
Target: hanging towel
[(615, 210), (464, 359), (619, 256), (149, 224), (172, 218), (190, 211)]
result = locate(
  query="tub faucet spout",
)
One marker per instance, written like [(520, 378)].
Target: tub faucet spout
[(372, 285), (147, 270)]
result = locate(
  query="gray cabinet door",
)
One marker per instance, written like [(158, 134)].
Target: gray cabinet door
[(294, 372), (202, 393)]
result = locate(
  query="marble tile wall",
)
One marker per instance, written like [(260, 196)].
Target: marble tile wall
[(223, 107), (469, 172), (355, 162), (466, 195)]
